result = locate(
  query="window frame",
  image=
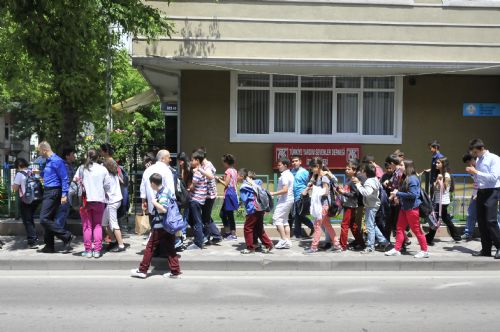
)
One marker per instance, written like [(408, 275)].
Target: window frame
[(297, 137)]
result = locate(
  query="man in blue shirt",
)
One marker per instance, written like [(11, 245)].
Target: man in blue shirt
[(487, 174), (301, 179), (56, 185)]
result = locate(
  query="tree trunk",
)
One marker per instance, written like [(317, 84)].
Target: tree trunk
[(69, 127)]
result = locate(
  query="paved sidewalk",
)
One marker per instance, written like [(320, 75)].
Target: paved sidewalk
[(445, 255)]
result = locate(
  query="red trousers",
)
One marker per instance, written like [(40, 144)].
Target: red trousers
[(255, 223), (157, 235), (409, 217), (349, 222)]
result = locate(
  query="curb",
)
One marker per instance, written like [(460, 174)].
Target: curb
[(257, 263)]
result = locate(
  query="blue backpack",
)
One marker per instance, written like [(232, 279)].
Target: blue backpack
[(34, 188), (172, 220)]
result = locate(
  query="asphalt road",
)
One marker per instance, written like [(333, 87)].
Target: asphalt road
[(258, 301)]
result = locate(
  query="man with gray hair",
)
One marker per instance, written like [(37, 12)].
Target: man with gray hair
[(161, 167)]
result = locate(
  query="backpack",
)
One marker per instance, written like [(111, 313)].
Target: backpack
[(33, 187), (173, 220), (76, 192), (263, 199), (335, 202), (181, 194), (426, 211), (385, 205)]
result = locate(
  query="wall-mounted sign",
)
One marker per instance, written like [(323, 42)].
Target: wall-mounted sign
[(333, 155), (481, 109)]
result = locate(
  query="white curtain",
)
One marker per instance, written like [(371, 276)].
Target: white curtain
[(347, 113), (284, 112), (378, 113), (253, 112), (316, 112)]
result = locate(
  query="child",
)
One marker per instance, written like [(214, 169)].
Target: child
[(158, 233), (444, 185), (350, 204), (284, 205), (469, 160), (230, 197), (370, 192), (409, 198), (254, 220), (199, 192), (320, 187)]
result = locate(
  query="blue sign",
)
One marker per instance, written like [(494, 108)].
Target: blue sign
[(478, 109)]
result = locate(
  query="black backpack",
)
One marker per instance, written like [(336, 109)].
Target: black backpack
[(34, 188), (181, 194), (385, 205), (426, 207)]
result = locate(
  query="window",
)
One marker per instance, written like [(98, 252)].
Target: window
[(310, 109)]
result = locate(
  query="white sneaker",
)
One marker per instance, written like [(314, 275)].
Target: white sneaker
[(287, 244), (171, 276), (422, 254), (393, 252), (137, 274), (280, 244)]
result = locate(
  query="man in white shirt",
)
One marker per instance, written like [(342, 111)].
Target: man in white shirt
[(161, 167), (487, 174), (284, 205)]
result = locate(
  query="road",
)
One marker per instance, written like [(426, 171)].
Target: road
[(256, 301)]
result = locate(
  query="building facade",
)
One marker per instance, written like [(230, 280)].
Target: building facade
[(384, 74)]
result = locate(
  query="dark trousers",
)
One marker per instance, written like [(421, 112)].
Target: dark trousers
[(227, 218), (62, 214), (158, 235), (50, 203), (391, 221), (209, 227), (27, 215), (445, 216), (254, 227), (299, 220), (487, 214), (195, 221), (380, 221)]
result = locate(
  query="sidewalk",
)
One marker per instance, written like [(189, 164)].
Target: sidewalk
[(446, 255)]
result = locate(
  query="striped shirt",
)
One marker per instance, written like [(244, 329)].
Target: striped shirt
[(199, 193), (233, 178), (208, 167)]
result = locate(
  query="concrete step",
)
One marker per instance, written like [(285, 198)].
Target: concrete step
[(446, 255)]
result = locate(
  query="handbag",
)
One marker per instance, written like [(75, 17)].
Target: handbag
[(142, 225), (303, 205), (76, 194), (231, 199)]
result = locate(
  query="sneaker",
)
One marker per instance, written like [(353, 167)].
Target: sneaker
[(87, 254), (337, 249), (178, 243), (407, 243), (46, 250), (422, 254), (247, 252), (287, 244), (96, 254), (118, 249), (193, 246), (231, 237), (67, 244), (137, 274), (280, 244), (171, 275), (384, 246), (309, 251), (32, 246), (393, 252), (265, 250), (367, 251), (466, 237), (205, 240)]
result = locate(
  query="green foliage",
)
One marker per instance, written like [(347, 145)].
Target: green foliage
[(53, 57)]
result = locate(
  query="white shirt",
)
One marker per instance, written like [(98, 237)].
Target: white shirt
[(168, 182), (115, 194), (446, 199), (20, 180), (96, 182), (286, 179), (488, 171)]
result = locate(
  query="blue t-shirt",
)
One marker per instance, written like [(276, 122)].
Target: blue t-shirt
[(301, 176)]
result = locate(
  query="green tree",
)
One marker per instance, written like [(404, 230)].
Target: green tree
[(53, 58)]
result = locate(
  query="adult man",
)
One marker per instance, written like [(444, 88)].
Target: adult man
[(160, 167), (301, 179), (487, 174), (56, 185), (284, 205), (63, 210)]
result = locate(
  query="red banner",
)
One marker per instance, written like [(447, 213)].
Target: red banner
[(334, 156)]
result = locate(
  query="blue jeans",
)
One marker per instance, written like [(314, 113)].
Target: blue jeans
[(374, 232), (62, 215), (196, 222), (471, 218)]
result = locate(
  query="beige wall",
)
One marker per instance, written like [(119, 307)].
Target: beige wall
[(432, 108)]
